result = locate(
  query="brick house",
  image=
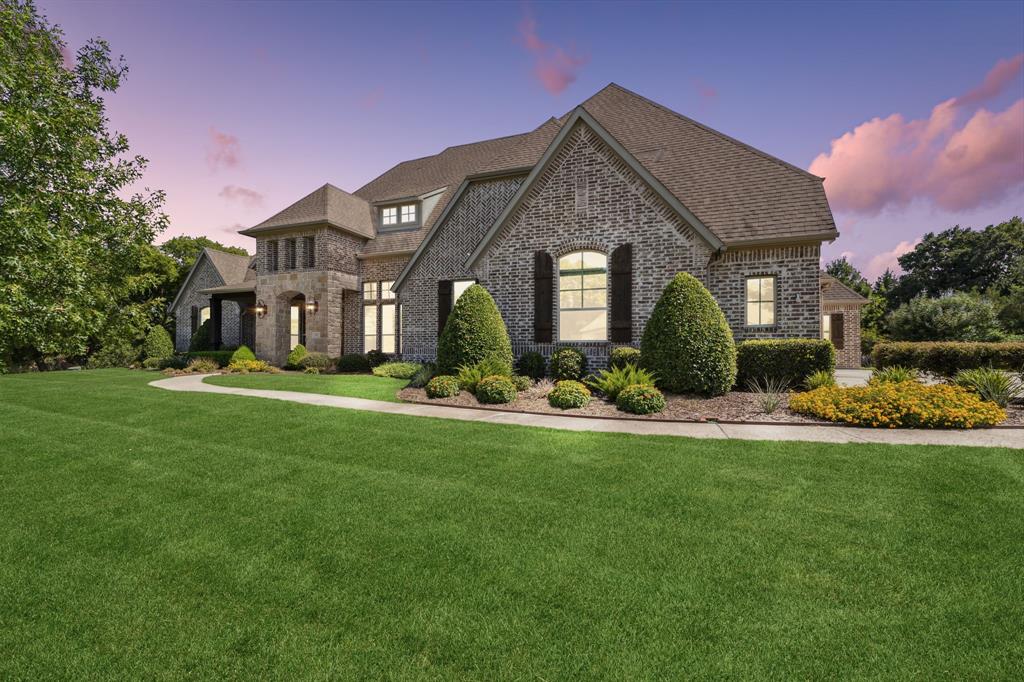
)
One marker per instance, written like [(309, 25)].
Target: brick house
[(575, 227)]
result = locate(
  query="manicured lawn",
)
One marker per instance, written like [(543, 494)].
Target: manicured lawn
[(348, 385), (151, 534)]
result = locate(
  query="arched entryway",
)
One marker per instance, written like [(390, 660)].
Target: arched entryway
[(296, 321)]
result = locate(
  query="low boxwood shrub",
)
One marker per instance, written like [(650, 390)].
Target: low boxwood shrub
[(473, 332), (790, 360), (295, 357), (624, 355), (158, 344), (353, 362), (221, 357), (243, 353), (613, 381), (532, 364), (376, 357), (443, 386), (522, 383), (640, 399), (321, 361), (568, 364), (993, 385), (470, 375), (423, 375), (397, 370), (687, 342), (568, 394), (946, 358), (496, 390), (907, 404)]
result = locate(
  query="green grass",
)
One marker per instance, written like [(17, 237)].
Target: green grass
[(151, 534), (348, 385)]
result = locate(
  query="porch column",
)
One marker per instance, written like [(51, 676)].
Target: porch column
[(215, 321)]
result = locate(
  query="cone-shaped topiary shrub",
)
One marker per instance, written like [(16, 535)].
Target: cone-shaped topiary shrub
[(687, 342), (158, 344), (474, 332), (243, 353), (294, 360), (200, 338)]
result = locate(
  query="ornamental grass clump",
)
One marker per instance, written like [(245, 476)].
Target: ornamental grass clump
[(893, 375), (611, 382), (770, 392), (991, 384), (640, 399), (568, 395), (905, 404), (687, 342), (202, 366), (471, 375), (251, 366), (443, 386), (496, 390), (820, 379)]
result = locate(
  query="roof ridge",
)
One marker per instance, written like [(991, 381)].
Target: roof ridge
[(707, 128)]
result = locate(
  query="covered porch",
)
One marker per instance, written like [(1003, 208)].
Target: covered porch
[(232, 322)]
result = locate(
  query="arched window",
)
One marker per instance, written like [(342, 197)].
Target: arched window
[(583, 296)]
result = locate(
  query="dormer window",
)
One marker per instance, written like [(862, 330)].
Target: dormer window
[(398, 216)]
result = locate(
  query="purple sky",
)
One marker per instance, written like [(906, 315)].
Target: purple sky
[(914, 112)]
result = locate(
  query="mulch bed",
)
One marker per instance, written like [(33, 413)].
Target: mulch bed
[(731, 407)]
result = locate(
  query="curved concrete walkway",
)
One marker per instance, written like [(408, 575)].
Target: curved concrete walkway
[(1012, 438)]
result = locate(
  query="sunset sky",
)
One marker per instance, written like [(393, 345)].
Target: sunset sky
[(913, 112)]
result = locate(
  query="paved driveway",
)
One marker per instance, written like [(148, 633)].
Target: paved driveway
[(852, 377)]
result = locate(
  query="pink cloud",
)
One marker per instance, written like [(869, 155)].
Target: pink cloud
[(371, 99), (705, 90), (1001, 75), (556, 68), (222, 150), (248, 197), (952, 158), (888, 260)]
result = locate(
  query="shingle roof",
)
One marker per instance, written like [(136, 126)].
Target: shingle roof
[(834, 291), (231, 267), (327, 204)]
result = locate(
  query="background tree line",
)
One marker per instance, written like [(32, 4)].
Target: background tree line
[(957, 285)]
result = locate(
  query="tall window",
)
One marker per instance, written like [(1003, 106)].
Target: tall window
[(204, 314), (272, 263), (369, 328), (826, 327), (379, 304), (296, 325), (309, 252), (760, 301), (289, 254), (583, 296), (387, 327), (385, 291)]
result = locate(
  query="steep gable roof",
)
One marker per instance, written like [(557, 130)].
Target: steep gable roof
[(231, 267), (834, 291), (329, 205)]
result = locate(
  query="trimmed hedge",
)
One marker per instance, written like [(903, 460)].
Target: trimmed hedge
[(687, 342), (789, 360), (946, 358), (158, 344), (568, 364), (321, 361), (397, 370), (353, 362), (221, 357), (474, 332)]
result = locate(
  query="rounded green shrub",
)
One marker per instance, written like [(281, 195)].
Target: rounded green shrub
[(568, 364), (376, 357), (443, 386), (532, 364), (353, 362), (568, 394), (200, 338), (496, 390), (522, 383), (640, 399), (320, 361), (397, 370), (624, 355), (687, 342), (158, 344), (295, 357), (474, 332), (243, 353)]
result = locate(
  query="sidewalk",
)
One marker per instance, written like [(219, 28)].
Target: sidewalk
[(1011, 438)]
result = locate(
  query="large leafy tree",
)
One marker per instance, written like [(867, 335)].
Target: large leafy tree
[(71, 245), (184, 250), (846, 273)]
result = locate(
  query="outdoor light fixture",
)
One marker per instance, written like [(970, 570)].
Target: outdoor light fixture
[(312, 306), (260, 309)]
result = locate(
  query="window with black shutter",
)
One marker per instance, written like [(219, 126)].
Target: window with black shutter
[(543, 275), (837, 330), (444, 303), (621, 271), (194, 321)]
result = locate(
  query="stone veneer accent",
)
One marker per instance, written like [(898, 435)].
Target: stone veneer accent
[(849, 357), (204, 277)]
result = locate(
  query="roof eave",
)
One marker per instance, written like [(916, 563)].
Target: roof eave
[(259, 231)]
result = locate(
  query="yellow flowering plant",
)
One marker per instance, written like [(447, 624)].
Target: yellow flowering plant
[(906, 404)]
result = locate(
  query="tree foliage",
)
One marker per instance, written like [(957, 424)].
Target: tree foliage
[(184, 250), (71, 246), (844, 271), (957, 317)]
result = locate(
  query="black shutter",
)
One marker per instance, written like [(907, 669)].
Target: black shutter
[(837, 330), (622, 294), (444, 303), (543, 276), (194, 322)]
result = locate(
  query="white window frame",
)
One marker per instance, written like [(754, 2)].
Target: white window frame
[(760, 301), (388, 342), (459, 287), (564, 311), (369, 327), (826, 326), (385, 291), (389, 215), (400, 215)]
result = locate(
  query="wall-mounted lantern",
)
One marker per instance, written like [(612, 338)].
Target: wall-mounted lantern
[(260, 309), (312, 306)]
